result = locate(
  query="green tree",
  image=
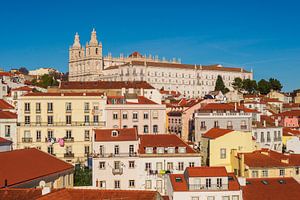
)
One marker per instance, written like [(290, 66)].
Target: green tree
[(249, 86), (82, 176), (237, 83), (220, 86), (275, 84), (263, 86), (23, 70)]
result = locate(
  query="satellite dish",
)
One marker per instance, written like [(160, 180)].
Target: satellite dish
[(42, 184)]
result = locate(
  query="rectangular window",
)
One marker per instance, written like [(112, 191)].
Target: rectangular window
[(124, 115), (86, 107), (195, 198), (68, 119), (219, 182), (38, 135), (155, 114), (27, 119), (254, 174), (49, 107), (38, 107), (50, 150), (155, 129), (146, 115), (225, 198), (264, 173), (27, 107), (50, 134), (86, 135), (147, 166), (86, 118), (68, 134), (169, 166), (281, 172), (131, 149), (223, 153), (131, 164), (68, 107), (102, 184), (208, 183), (117, 149), (180, 166), (96, 118), (7, 130), (87, 150), (101, 165), (117, 184), (191, 164), (115, 115), (135, 116), (235, 197), (131, 183), (148, 184), (38, 119), (50, 119), (101, 150), (146, 129)]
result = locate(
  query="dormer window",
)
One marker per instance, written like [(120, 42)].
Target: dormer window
[(114, 133), (149, 149), (160, 150), (182, 150), (171, 149)]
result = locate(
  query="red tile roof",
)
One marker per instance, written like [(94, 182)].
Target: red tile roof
[(23, 88), (216, 132), (6, 74), (125, 134), (179, 182), (4, 105), (291, 105), (226, 107), (20, 166), (135, 55), (4, 141), (8, 115), (162, 140), (20, 194), (96, 194), (290, 132), (265, 158), (206, 171), (105, 85), (123, 100), (291, 113), (216, 67), (64, 94), (273, 190)]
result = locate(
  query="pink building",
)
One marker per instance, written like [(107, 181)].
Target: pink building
[(289, 118)]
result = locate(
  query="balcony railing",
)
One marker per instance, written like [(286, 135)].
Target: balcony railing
[(232, 114), (117, 171), (27, 140), (69, 155), (69, 139), (204, 187), (62, 124), (110, 155)]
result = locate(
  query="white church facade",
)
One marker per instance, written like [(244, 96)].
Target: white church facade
[(89, 64)]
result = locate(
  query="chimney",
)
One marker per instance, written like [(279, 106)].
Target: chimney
[(276, 122), (265, 123)]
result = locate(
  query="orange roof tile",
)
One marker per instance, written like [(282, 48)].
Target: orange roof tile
[(125, 134), (20, 194), (5, 105), (8, 115), (216, 132), (17, 166), (290, 132), (226, 107), (275, 189), (162, 140), (64, 94), (206, 171), (96, 194), (4, 141), (23, 88), (291, 113), (123, 100)]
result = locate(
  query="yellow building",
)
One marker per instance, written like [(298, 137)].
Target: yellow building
[(60, 123), (265, 163), (217, 145)]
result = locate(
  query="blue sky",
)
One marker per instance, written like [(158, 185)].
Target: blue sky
[(257, 34)]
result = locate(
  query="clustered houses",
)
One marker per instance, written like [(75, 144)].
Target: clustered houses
[(122, 159)]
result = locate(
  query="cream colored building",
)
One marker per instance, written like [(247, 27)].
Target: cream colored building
[(60, 123), (88, 64)]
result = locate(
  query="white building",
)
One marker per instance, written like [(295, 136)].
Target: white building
[(124, 160), (204, 183), (88, 64), (41, 71)]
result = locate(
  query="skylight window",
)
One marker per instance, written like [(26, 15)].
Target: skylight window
[(265, 182)]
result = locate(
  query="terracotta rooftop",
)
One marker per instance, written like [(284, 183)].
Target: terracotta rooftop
[(96, 194), (20, 194), (4, 141), (290, 132), (135, 55), (6, 74), (64, 94), (162, 140), (215, 67), (20, 166), (226, 107), (23, 88), (125, 134), (124, 100), (8, 115), (179, 182), (271, 189), (291, 105), (216, 132), (105, 85), (206, 171), (4, 105), (292, 113), (175, 113)]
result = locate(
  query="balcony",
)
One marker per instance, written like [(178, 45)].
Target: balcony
[(111, 155), (117, 171), (244, 127), (34, 124), (69, 139), (69, 155), (204, 187), (86, 110), (27, 140)]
